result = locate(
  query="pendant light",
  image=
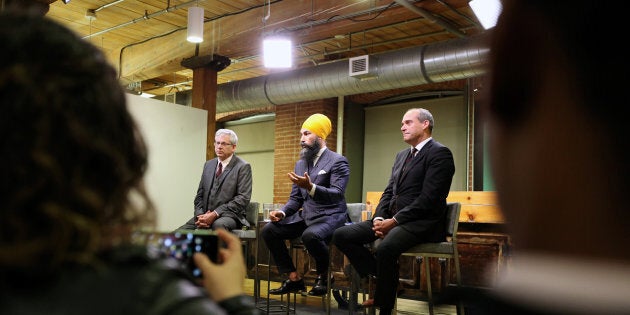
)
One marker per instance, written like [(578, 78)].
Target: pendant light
[(195, 25)]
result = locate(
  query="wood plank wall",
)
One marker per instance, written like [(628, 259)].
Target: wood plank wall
[(477, 206)]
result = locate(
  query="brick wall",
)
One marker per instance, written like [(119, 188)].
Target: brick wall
[(289, 119)]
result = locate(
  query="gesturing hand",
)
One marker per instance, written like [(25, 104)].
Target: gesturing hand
[(301, 181)]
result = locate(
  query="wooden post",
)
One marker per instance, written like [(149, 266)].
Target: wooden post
[(204, 90)]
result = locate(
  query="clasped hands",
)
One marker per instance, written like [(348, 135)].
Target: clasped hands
[(204, 221), (276, 215), (382, 227)]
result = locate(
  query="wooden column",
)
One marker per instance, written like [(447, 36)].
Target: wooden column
[(204, 91)]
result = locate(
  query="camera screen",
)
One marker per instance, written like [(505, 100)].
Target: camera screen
[(182, 246)]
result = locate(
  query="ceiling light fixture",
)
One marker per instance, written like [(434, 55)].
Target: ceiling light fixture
[(277, 52), (195, 25), (487, 11), (276, 49)]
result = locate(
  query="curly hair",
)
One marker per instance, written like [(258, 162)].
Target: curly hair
[(73, 161)]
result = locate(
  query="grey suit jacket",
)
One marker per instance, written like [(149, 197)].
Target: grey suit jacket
[(330, 174), (417, 197), (232, 194)]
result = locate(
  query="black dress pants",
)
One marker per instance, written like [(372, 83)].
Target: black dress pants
[(382, 263)]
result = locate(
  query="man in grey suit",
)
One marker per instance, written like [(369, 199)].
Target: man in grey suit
[(319, 181), (412, 209), (225, 188)]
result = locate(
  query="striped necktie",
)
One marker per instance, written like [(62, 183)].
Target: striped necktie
[(219, 170)]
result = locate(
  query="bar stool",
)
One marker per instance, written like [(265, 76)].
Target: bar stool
[(296, 245), (270, 306), (447, 250)]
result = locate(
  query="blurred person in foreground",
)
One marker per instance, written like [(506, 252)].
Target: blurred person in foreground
[(72, 191), (557, 127), (225, 188), (316, 207)]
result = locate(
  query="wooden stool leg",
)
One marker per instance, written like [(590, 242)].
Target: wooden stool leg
[(427, 269)]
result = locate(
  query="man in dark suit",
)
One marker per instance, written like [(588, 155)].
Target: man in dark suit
[(316, 207), (225, 188), (412, 209)]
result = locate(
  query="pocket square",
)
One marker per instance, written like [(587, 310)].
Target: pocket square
[(321, 172)]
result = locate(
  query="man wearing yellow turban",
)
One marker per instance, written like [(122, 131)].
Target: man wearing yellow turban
[(319, 181), (318, 124)]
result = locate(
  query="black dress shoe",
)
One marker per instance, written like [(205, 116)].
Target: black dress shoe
[(321, 286), (289, 286)]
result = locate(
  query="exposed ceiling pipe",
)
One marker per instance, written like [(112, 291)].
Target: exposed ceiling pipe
[(446, 61), (146, 16)]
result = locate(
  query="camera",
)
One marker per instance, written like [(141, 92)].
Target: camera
[(182, 244)]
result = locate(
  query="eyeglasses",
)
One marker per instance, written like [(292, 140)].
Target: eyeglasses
[(222, 144)]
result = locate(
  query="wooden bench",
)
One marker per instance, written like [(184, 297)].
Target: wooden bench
[(477, 206)]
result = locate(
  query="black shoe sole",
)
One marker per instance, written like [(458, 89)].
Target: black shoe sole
[(287, 291), (311, 293)]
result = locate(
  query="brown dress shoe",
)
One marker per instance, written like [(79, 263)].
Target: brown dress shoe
[(367, 303)]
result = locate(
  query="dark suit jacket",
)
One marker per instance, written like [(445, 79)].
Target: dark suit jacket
[(233, 192), (418, 196), (330, 174)]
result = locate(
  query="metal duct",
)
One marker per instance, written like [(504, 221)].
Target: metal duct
[(447, 61)]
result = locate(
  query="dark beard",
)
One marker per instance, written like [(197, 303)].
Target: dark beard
[(308, 153)]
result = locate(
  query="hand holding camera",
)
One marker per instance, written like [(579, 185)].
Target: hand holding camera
[(218, 279)]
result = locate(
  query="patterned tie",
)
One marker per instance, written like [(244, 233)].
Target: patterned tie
[(409, 157), (219, 169)]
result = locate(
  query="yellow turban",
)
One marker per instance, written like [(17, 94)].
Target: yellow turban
[(318, 124)]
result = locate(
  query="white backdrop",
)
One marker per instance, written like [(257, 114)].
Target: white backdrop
[(176, 138)]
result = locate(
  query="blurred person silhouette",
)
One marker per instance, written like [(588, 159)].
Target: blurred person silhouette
[(556, 128), (225, 188), (72, 192), (412, 209), (316, 207)]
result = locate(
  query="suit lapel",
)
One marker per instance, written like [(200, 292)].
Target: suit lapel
[(228, 167), (321, 162), (212, 171), (398, 170)]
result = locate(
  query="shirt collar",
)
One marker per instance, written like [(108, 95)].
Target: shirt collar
[(226, 161), (318, 155), (421, 144)]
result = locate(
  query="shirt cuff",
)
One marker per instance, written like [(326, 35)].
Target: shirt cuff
[(312, 191), (378, 219)]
